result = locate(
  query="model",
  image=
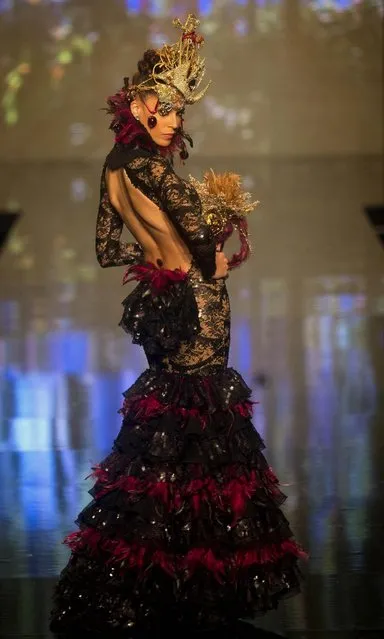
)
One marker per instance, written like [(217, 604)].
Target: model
[(185, 527)]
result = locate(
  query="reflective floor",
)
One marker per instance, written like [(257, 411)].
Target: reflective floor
[(307, 335)]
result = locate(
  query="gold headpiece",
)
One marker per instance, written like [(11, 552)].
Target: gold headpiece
[(180, 69)]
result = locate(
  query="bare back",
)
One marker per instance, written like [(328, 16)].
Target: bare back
[(163, 212), (150, 226)]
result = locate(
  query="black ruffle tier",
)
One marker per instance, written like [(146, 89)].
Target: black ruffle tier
[(161, 311)]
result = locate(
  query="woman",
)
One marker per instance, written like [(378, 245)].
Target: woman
[(185, 526)]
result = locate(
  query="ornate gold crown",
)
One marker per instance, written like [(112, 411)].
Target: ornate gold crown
[(180, 69)]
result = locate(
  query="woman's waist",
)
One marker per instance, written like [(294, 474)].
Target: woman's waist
[(169, 256), (157, 278), (160, 276)]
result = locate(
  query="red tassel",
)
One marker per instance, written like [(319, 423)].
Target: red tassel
[(269, 554), (160, 490), (204, 557), (158, 278), (214, 565), (245, 409), (83, 538), (126, 482), (99, 473), (147, 407), (196, 503), (160, 558), (243, 254), (150, 406), (238, 491), (191, 412), (234, 493), (270, 476)]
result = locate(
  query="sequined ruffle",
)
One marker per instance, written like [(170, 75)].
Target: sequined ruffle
[(161, 311), (189, 397), (139, 556)]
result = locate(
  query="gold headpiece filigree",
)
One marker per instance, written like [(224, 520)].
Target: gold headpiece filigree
[(180, 69)]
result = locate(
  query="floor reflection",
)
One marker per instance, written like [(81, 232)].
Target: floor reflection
[(307, 334)]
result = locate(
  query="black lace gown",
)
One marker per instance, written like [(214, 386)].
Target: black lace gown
[(185, 526)]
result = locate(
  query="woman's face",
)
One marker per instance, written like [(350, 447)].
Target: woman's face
[(166, 125)]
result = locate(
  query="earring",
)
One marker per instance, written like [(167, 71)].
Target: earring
[(152, 122), (137, 117)]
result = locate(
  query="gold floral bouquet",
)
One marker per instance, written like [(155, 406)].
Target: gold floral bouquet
[(225, 206)]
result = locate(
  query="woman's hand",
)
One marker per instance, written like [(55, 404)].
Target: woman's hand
[(221, 265)]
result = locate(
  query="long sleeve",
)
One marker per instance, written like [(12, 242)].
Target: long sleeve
[(110, 249), (180, 201)]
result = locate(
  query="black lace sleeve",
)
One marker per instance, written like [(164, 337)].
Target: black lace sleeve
[(155, 177), (110, 249)]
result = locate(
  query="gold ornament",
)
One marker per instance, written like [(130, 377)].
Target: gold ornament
[(223, 199), (225, 206), (180, 70)]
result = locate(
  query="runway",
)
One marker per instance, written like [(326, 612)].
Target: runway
[(307, 335)]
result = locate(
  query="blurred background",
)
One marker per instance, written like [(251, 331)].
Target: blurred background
[(295, 108)]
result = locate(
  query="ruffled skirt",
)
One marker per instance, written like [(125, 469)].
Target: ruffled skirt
[(185, 527)]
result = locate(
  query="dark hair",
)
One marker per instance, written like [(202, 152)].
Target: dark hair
[(145, 66)]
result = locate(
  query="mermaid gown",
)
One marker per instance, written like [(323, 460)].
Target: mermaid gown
[(185, 526)]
